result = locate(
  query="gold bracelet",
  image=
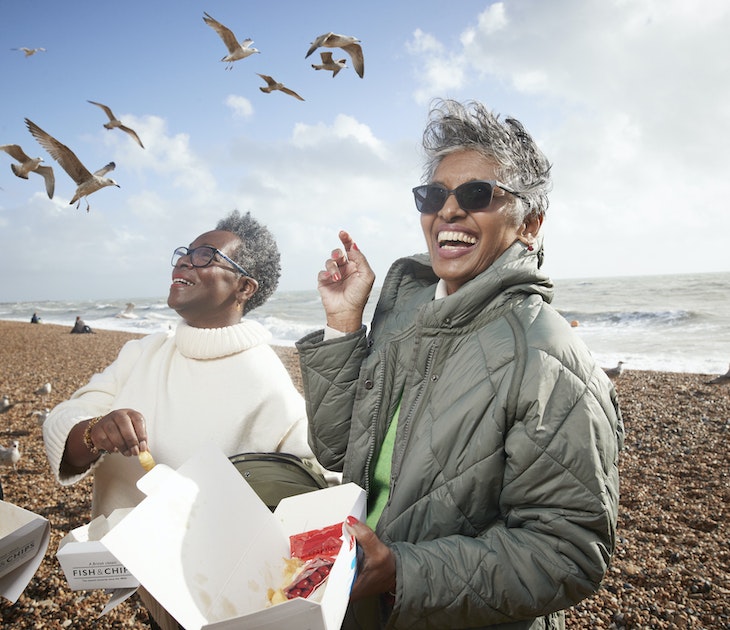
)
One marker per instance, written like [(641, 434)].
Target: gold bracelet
[(87, 435)]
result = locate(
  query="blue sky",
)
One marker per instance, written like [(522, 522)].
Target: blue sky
[(629, 100)]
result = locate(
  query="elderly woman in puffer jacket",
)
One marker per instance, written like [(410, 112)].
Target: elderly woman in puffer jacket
[(483, 431)]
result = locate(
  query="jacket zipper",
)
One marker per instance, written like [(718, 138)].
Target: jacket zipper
[(374, 421)]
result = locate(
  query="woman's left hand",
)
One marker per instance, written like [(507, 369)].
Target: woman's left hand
[(376, 572)]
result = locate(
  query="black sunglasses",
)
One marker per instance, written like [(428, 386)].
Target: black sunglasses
[(430, 198)]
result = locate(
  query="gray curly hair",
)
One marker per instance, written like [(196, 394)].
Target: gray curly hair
[(453, 126), (258, 254)]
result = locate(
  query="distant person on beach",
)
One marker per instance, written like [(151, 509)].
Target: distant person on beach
[(35, 319), (485, 434), (80, 326), (215, 378)]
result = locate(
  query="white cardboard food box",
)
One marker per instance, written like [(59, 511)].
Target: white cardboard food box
[(87, 563), (208, 549), (24, 538)]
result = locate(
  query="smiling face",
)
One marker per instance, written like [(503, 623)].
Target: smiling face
[(212, 296), (463, 243)]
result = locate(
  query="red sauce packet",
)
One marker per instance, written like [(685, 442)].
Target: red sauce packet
[(313, 574), (317, 542)]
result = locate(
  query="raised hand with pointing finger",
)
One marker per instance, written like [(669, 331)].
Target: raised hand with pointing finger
[(344, 286)]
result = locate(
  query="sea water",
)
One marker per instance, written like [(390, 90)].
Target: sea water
[(674, 323)]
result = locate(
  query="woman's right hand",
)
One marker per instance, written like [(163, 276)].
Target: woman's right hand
[(344, 286), (121, 430)]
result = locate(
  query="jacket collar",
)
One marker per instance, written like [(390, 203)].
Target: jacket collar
[(515, 272)]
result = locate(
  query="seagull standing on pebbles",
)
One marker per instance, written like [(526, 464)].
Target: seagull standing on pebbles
[(30, 165), (351, 45), (616, 371), (30, 51), (86, 182), (116, 123), (5, 403), (44, 390), (276, 85), (40, 415), (10, 455), (236, 50), (723, 378), (335, 65)]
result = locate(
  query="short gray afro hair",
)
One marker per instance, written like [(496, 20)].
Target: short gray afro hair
[(258, 254), (453, 126)]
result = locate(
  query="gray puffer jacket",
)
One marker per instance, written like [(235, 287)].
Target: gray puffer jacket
[(504, 486)]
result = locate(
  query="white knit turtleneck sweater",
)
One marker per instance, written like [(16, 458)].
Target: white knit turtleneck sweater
[(198, 385)]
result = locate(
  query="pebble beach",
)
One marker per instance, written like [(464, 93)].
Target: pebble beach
[(672, 564)]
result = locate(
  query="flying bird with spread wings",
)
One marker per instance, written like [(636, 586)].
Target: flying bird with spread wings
[(115, 123), (351, 45), (236, 50), (272, 84), (30, 165), (86, 182), (333, 65), (30, 51)]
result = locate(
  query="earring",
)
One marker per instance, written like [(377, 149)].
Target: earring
[(530, 247)]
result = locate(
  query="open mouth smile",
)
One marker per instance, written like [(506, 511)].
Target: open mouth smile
[(450, 239)]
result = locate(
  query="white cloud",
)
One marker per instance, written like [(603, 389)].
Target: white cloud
[(439, 70), (240, 106), (344, 128), (493, 19)]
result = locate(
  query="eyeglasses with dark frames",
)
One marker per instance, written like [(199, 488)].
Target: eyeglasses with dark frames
[(476, 195), (204, 255)]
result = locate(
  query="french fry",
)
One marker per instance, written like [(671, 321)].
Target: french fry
[(146, 459)]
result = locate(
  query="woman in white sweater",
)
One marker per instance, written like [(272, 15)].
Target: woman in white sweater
[(214, 379)]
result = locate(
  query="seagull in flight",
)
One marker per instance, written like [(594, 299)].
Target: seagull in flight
[(86, 182), (335, 65), (236, 50), (351, 45), (114, 122), (30, 165), (30, 51), (272, 85)]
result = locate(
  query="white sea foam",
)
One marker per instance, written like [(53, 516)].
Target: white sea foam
[(672, 323)]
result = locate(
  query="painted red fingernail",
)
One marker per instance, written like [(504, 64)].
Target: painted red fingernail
[(351, 520)]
